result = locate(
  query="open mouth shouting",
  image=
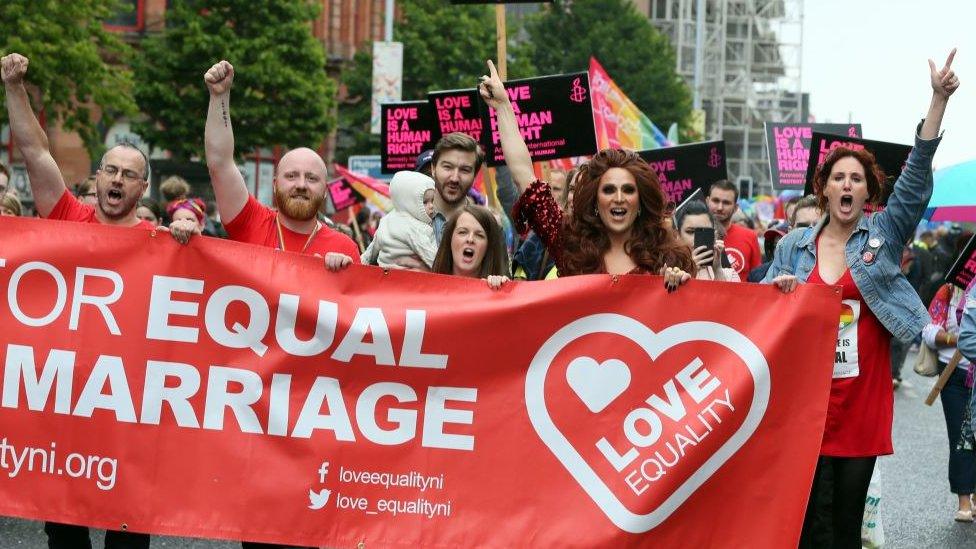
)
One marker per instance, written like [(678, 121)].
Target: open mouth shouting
[(846, 205), (467, 254), (114, 196)]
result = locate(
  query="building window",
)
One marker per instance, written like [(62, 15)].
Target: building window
[(130, 17)]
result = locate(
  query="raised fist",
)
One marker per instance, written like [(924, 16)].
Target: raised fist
[(13, 67), (220, 78)]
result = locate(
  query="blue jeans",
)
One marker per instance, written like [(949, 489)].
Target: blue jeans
[(962, 463)]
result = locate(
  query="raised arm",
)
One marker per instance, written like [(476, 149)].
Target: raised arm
[(944, 83), (47, 184), (228, 183), (913, 189), (517, 156)]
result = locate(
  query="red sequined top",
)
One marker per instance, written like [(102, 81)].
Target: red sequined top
[(536, 209)]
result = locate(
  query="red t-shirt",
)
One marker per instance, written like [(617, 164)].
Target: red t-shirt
[(861, 406), (69, 208), (256, 225), (742, 247)]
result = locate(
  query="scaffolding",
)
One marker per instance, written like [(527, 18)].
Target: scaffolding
[(751, 59)]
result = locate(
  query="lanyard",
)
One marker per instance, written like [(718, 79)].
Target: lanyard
[(281, 236)]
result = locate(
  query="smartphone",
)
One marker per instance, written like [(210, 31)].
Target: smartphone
[(704, 236)]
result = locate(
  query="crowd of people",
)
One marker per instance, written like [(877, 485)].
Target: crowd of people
[(608, 215)]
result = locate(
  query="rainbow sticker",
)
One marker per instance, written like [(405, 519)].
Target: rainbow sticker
[(846, 315)]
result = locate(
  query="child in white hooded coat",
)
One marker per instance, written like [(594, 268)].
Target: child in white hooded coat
[(407, 230)]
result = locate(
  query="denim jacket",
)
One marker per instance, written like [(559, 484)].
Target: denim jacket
[(874, 249)]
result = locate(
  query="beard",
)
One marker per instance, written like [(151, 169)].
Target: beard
[(119, 210), (296, 208), (454, 201)]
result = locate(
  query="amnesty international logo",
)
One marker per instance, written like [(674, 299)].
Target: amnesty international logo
[(578, 93), (714, 158)]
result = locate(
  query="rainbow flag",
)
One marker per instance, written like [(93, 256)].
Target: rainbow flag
[(619, 123), (374, 191)]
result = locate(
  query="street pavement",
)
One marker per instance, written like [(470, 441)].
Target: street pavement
[(916, 505)]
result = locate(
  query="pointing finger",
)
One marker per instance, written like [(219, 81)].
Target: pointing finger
[(491, 69), (932, 66), (952, 55)]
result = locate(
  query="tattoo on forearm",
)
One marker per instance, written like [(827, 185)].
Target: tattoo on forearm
[(223, 109)]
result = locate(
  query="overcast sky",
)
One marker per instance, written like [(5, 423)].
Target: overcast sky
[(867, 60)]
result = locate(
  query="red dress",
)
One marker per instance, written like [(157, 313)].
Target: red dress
[(861, 406), (536, 209)]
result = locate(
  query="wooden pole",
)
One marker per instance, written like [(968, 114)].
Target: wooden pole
[(501, 63), (501, 42), (944, 378)]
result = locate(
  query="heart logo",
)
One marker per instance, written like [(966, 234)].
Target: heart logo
[(750, 370), (597, 383)]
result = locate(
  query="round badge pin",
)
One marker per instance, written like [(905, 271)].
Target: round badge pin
[(868, 257), (874, 242)]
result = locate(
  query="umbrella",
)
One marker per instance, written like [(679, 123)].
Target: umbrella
[(954, 196)]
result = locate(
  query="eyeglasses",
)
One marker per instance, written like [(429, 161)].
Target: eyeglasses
[(802, 225), (127, 175), (89, 195)]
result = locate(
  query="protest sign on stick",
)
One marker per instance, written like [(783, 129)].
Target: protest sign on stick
[(554, 116), (457, 111), (409, 128), (683, 169), (963, 271)]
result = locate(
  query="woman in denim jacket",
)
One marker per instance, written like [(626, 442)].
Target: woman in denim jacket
[(862, 255)]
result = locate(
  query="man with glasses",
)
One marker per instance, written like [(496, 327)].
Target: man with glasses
[(121, 179)]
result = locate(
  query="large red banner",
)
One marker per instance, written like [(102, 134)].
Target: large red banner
[(227, 391)]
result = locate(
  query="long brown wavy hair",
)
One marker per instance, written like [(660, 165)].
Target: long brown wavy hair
[(652, 244)]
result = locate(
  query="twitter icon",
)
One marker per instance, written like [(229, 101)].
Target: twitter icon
[(318, 500)]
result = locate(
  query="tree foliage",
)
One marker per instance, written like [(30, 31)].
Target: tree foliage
[(281, 94), (77, 66), (444, 47), (638, 57)]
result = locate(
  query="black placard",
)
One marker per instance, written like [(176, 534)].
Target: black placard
[(409, 128), (342, 194), (788, 145), (457, 111), (963, 271), (554, 114), (890, 156), (684, 168)]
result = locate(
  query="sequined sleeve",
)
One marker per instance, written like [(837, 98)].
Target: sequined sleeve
[(536, 209)]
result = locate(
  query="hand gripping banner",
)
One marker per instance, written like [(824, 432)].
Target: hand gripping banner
[(222, 390)]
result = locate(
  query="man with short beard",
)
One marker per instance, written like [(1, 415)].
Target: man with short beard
[(456, 162), (300, 184)]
